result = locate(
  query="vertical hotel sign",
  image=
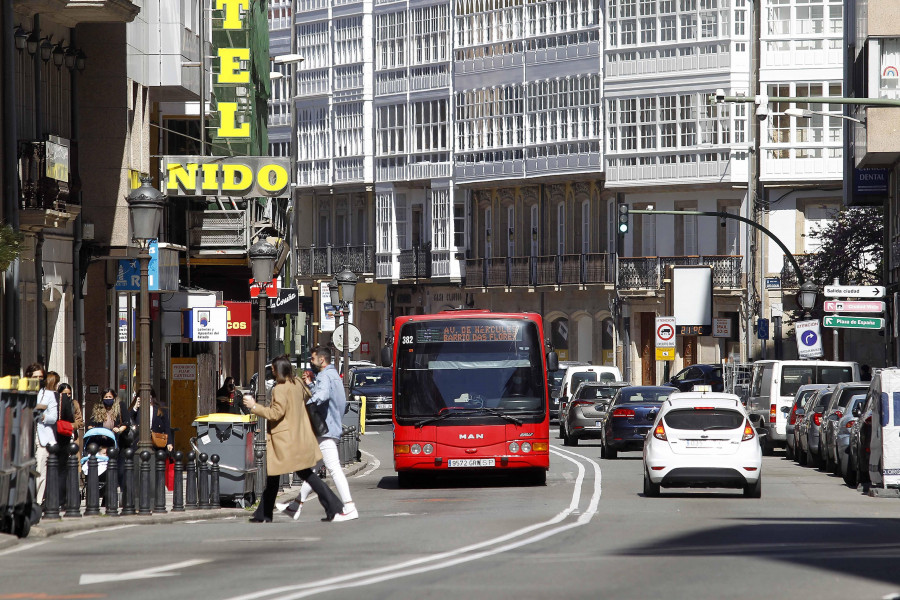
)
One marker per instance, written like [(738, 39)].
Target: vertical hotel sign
[(242, 176)]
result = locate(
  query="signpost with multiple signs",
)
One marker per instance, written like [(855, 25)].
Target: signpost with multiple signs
[(851, 322), (858, 306)]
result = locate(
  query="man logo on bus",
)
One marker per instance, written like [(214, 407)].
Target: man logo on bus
[(471, 436)]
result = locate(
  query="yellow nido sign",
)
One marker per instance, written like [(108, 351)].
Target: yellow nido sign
[(240, 176)]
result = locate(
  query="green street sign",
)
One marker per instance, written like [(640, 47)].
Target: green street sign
[(854, 322)]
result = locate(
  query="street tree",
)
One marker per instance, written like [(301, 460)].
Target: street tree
[(851, 248)]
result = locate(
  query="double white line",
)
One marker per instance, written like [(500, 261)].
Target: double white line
[(451, 558)]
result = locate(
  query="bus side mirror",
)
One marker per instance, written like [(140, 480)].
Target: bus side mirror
[(387, 356), (552, 361)]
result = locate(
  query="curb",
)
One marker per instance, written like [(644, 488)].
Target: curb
[(7, 541), (47, 529)]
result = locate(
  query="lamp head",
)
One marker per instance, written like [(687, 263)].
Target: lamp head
[(347, 280), (262, 260), (145, 208), (806, 295)]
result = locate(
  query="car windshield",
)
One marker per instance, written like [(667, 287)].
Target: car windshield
[(803, 397), (704, 419), (792, 377), (593, 392), (644, 395), (847, 395), (469, 366), (381, 377), (822, 401), (578, 378)]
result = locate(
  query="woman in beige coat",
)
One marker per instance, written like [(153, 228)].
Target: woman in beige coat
[(291, 444)]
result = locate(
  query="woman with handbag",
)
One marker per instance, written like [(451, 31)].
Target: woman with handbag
[(290, 444), (45, 436), (160, 425), (68, 424)]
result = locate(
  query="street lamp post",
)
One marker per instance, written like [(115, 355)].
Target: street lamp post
[(262, 262), (343, 286), (145, 208)]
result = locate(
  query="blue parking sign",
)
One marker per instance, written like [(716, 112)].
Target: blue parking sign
[(762, 329)]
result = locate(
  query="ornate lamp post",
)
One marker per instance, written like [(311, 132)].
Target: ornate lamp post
[(262, 263), (806, 296), (145, 208), (345, 282)]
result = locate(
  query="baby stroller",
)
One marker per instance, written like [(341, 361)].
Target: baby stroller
[(106, 440)]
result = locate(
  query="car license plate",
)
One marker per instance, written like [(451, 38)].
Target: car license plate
[(702, 444), (471, 462), (598, 423), (383, 405)]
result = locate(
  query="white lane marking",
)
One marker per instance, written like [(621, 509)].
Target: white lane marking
[(101, 530), (195, 521), (405, 568), (399, 515), (375, 464), (21, 547), (87, 579)]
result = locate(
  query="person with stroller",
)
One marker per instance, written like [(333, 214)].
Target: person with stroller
[(70, 412), (111, 414), (291, 445)]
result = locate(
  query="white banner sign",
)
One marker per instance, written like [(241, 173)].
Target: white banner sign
[(854, 291), (809, 339), (210, 324)]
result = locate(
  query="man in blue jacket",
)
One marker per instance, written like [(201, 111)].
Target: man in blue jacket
[(331, 402)]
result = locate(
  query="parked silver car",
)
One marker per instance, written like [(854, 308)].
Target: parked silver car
[(809, 429), (804, 392), (834, 412), (846, 423), (583, 416)]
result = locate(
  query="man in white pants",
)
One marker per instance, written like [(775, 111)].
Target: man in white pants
[(331, 401)]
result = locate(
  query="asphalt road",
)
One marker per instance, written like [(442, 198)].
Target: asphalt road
[(589, 533)]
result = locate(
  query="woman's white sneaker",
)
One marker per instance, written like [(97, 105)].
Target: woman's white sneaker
[(347, 515)]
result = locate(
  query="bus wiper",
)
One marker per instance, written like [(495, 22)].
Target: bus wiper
[(502, 415), (441, 417)]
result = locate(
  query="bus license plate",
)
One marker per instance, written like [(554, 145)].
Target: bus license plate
[(383, 405), (471, 462)]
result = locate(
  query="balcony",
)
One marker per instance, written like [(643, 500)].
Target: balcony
[(45, 201), (325, 261), (532, 271), (789, 278), (648, 272), (415, 263)]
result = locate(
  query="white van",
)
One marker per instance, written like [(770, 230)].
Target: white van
[(774, 383), (577, 374)]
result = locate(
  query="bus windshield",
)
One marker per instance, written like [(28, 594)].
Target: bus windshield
[(469, 367)]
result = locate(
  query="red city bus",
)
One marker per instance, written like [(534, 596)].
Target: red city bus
[(470, 394)]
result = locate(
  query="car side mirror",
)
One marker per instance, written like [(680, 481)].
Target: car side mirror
[(785, 409), (857, 411), (755, 419)]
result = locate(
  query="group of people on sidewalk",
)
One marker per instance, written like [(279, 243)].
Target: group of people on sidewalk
[(291, 444)]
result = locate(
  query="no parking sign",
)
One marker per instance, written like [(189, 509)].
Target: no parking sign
[(809, 339)]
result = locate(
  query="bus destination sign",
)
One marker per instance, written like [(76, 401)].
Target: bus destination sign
[(470, 333)]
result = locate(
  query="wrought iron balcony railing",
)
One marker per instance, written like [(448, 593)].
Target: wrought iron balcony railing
[(531, 271), (415, 262), (647, 272), (323, 261)]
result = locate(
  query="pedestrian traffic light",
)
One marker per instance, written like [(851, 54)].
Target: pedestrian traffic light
[(623, 218)]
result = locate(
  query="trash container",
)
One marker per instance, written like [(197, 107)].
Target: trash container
[(18, 510), (231, 437)]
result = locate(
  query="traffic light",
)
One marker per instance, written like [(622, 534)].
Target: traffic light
[(623, 218)]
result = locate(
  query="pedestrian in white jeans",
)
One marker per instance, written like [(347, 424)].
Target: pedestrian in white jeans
[(46, 430), (329, 399)]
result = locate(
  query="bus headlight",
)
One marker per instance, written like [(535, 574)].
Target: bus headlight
[(427, 448), (526, 447), (514, 447), (416, 449)]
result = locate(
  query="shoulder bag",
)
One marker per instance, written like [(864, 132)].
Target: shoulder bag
[(160, 440), (318, 424), (63, 428)]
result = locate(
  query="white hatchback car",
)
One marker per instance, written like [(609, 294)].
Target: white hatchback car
[(702, 439)]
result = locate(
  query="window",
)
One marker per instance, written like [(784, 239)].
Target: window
[(385, 220), (511, 231), (391, 138), (815, 218), (535, 231), (430, 126), (459, 224), (561, 228), (487, 232), (390, 35), (585, 227)]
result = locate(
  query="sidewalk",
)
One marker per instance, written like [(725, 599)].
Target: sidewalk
[(46, 528)]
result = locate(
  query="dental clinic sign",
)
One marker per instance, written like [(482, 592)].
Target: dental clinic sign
[(244, 176)]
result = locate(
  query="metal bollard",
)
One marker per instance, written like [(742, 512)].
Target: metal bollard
[(144, 508), (354, 444), (160, 505), (112, 483), (178, 484), (92, 488), (128, 483), (259, 483), (51, 500), (214, 500), (73, 494), (191, 499), (204, 481)]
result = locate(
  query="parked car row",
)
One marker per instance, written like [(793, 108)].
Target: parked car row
[(832, 429)]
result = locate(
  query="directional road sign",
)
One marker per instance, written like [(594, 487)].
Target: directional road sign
[(809, 339), (665, 332), (854, 291), (854, 322), (862, 306)]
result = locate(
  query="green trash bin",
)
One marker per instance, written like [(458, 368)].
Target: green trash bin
[(231, 437), (18, 509)]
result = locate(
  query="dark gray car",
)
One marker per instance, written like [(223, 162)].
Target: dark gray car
[(809, 429), (834, 412), (582, 418)]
